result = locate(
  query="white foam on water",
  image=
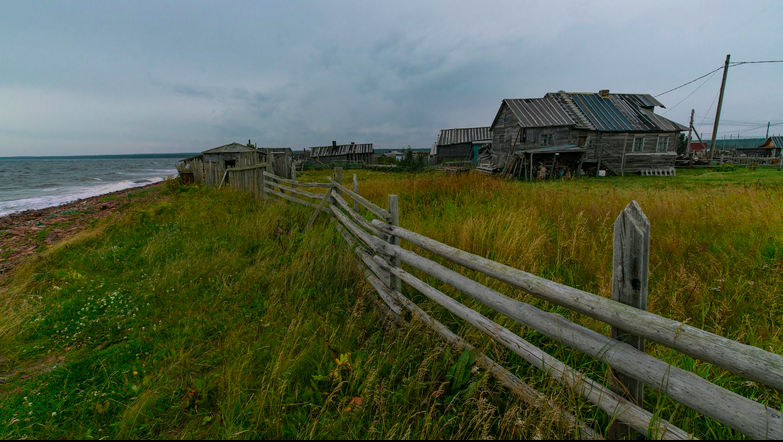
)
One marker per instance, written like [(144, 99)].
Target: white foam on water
[(73, 194)]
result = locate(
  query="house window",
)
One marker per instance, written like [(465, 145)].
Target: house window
[(581, 141), (663, 144), (638, 144), (546, 140)]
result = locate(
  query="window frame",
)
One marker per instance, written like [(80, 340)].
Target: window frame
[(658, 144), (641, 146)]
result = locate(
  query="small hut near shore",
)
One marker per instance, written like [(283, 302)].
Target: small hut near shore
[(210, 166)]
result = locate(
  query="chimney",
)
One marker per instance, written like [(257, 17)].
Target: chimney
[(603, 93), (352, 142), (334, 144), (249, 144)]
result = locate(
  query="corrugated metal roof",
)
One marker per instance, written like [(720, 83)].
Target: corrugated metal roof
[(539, 112), (601, 112), (464, 135), (642, 118), (777, 141), (341, 149), (641, 100), (231, 148)]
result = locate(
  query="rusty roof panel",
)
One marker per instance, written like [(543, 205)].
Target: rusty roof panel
[(464, 135)]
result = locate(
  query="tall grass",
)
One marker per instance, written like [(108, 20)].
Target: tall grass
[(715, 260), (210, 315)]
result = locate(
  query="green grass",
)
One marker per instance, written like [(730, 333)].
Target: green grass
[(209, 314)]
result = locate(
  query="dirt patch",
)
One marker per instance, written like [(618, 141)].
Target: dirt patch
[(25, 233)]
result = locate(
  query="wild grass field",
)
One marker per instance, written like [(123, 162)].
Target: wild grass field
[(209, 314)]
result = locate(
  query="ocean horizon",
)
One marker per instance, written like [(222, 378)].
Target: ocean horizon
[(39, 182)]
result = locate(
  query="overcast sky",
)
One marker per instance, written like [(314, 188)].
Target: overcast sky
[(180, 76)]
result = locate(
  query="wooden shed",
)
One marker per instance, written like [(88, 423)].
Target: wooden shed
[(620, 132), (460, 144)]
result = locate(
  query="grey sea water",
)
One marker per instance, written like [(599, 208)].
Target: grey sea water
[(36, 183)]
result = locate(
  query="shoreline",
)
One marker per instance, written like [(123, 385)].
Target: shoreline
[(25, 233)]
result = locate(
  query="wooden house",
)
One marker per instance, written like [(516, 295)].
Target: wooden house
[(460, 144), (342, 153), (615, 132), (771, 147)]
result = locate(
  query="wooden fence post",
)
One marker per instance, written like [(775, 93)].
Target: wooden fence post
[(630, 259), (394, 210), (355, 189), (338, 176)]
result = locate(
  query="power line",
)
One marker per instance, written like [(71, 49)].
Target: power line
[(692, 81), (689, 95), (708, 110), (738, 63)]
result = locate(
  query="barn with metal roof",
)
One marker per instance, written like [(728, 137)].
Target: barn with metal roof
[(620, 132), (460, 143)]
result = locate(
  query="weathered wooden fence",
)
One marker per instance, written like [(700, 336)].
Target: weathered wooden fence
[(376, 244), (746, 160)]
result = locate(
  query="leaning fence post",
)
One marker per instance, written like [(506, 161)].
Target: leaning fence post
[(630, 259), (355, 189), (394, 219)]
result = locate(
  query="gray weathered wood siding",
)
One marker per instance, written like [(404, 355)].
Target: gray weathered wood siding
[(508, 136), (462, 151)]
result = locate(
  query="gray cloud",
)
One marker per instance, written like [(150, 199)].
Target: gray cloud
[(100, 77)]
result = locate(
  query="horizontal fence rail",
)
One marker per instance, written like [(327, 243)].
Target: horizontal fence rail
[(376, 244), (750, 362)]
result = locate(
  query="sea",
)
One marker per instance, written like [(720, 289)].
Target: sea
[(40, 182)]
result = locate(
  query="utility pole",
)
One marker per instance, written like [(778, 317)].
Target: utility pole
[(767, 129), (690, 130), (720, 105)]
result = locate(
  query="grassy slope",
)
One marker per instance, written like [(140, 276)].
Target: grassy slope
[(716, 253), (207, 314), (212, 268)]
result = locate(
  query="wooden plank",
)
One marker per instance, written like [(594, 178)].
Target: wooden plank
[(745, 360), (630, 272), (292, 199), (355, 215), (744, 415), (394, 220), (505, 377), (298, 183), (223, 180), (356, 190), (315, 196), (611, 403), (372, 207), (319, 209)]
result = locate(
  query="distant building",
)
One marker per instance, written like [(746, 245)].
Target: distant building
[(231, 155), (698, 147), (621, 131), (771, 147), (396, 154), (460, 143), (342, 153)]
